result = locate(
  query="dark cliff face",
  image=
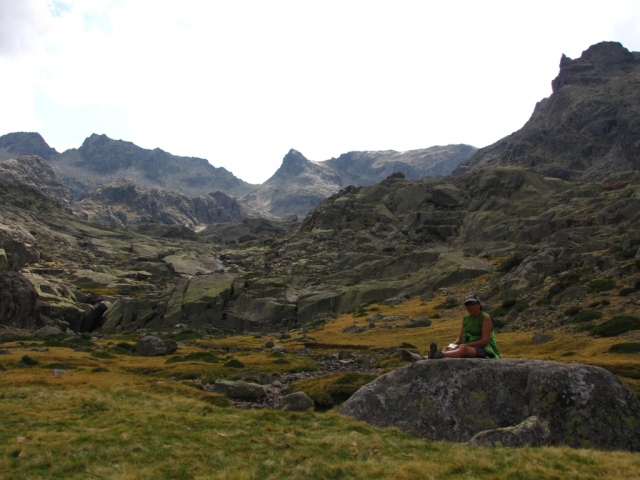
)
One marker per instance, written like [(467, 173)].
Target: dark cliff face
[(13, 145), (588, 129)]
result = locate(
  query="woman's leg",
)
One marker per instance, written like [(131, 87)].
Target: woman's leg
[(461, 352)]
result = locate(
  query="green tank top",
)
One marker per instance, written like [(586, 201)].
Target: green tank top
[(472, 331)]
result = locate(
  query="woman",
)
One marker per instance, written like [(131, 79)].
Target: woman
[(476, 338)]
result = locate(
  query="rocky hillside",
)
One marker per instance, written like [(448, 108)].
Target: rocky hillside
[(589, 126), (543, 252), (300, 184), (101, 160), (33, 171)]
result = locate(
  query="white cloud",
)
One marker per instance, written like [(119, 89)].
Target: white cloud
[(239, 83)]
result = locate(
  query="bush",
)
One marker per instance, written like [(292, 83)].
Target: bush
[(123, 348), (587, 316), (27, 360), (626, 291), (331, 390), (602, 285), (234, 363), (510, 263), (572, 311), (617, 326), (625, 348), (99, 354), (194, 357)]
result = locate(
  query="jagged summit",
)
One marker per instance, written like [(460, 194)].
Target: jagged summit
[(587, 130), (294, 163), (598, 62)]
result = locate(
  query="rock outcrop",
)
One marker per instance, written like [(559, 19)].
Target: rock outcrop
[(455, 400), (125, 203), (33, 171)]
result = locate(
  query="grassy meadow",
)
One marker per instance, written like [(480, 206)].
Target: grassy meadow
[(116, 415)]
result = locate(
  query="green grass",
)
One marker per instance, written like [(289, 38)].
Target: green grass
[(125, 433), (133, 417)]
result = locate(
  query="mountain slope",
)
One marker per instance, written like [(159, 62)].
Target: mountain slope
[(587, 129)]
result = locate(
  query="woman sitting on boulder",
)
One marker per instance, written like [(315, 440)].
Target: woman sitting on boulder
[(476, 339)]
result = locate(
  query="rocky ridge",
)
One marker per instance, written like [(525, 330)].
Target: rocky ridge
[(300, 184)]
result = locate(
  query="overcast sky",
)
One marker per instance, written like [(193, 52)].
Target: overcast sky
[(241, 82)]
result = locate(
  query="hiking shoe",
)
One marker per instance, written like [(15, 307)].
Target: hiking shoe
[(410, 357), (434, 353)]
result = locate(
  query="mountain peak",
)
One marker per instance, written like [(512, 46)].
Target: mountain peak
[(15, 144), (293, 163), (596, 63)]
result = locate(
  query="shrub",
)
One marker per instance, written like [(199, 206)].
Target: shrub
[(572, 311), (625, 348), (586, 316), (626, 291), (331, 390), (102, 354), (602, 285), (605, 302), (510, 263), (616, 326), (194, 357), (27, 360), (99, 370), (126, 346), (234, 363)]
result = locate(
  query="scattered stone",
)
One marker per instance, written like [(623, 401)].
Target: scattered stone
[(152, 346), (239, 389), (296, 402), (532, 432), (540, 338), (419, 322), (59, 373), (48, 332)]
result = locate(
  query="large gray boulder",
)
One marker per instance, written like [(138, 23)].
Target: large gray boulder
[(455, 399), (19, 306)]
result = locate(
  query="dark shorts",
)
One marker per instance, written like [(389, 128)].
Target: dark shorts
[(480, 352)]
